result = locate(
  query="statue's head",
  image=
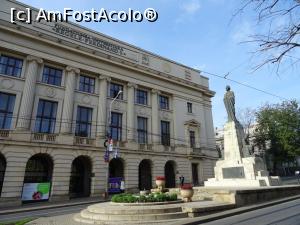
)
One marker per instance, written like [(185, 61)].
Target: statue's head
[(227, 88)]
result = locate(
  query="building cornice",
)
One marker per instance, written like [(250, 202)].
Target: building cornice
[(111, 59)]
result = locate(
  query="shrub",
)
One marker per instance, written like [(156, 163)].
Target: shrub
[(153, 197)]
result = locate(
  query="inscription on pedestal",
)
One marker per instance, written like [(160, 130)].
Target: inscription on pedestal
[(233, 172)]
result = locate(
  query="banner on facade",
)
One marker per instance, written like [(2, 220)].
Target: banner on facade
[(116, 185), (35, 191)]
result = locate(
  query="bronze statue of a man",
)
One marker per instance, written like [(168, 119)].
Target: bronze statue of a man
[(229, 102)]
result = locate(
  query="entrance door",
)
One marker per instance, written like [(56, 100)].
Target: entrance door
[(195, 174), (116, 168), (80, 180), (145, 177), (170, 174), (2, 171), (38, 177)]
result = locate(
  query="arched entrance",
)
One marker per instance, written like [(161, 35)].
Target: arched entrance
[(116, 176), (116, 168), (145, 176), (39, 169), (170, 174), (80, 180), (2, 171), (38, 178)]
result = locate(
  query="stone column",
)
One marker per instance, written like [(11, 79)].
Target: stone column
[(102, 106), (61, 178), (67, 115), (14, 178), (154, 119), (130, 112), (28, 93)]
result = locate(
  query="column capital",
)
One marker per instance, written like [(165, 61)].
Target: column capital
[(74, 69), (104, 77), (130, 84), (155, 91), (31, 58)]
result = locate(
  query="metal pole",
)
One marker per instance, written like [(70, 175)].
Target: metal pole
[(109, 136)]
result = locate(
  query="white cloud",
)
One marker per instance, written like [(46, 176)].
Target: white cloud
[(190, 7)]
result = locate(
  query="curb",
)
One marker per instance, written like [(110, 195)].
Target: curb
[(233, 212), (20, 210)]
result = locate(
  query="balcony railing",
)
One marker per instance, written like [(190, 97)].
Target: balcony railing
[(83, 141), (197, 151), (42, 137), (120, 144), (145, 147), (4, 133)]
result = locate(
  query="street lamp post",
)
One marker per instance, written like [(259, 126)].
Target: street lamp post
[(109, 138)]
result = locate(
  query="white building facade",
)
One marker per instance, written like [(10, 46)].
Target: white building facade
[(57, 82)]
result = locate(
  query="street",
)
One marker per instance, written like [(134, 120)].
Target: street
[(42, 213), (282, 214)]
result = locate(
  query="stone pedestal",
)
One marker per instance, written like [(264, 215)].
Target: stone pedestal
[(239, 169)]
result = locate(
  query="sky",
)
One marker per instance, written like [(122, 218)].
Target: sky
[(202, 34)]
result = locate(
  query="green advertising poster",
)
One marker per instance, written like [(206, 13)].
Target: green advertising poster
[(35, 191)]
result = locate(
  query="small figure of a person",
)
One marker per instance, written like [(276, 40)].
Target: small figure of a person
[(122, 186), (181, 178)]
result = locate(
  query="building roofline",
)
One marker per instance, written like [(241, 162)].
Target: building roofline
[(120, 41)]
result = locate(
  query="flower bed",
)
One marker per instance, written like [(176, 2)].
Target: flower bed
[(153, 197)]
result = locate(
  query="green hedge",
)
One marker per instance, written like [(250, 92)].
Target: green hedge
[(153, 197)]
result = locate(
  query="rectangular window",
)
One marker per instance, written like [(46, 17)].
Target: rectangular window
[(87, 84), (7, 103), (141, 97), (10, 66), (46, 117), (52, 76), (189, 107), (84, 121), (116, 126), (163, 102), (114, 90), (165, 133), (142, 130), (192, 139)]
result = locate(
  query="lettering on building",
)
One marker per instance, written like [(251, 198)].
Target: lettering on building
[(88, 39)]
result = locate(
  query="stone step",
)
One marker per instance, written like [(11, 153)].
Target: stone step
[(132, 217), (80, 219), (99, 209)]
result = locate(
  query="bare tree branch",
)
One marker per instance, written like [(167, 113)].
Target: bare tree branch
[(274, 42)]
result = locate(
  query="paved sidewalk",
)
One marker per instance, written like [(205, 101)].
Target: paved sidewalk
[(49, 205)]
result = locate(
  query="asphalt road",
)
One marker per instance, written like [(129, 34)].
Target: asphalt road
[(42, 213), (287, 213)]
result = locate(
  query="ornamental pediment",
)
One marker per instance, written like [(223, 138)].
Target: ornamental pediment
[(193, 123)]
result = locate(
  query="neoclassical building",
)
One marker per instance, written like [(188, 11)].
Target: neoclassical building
[(64, 87)]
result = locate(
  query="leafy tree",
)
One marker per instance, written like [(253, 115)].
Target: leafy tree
[(278, 30), (278, 132)]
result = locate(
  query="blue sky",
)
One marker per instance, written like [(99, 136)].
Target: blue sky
[(200, 34)]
